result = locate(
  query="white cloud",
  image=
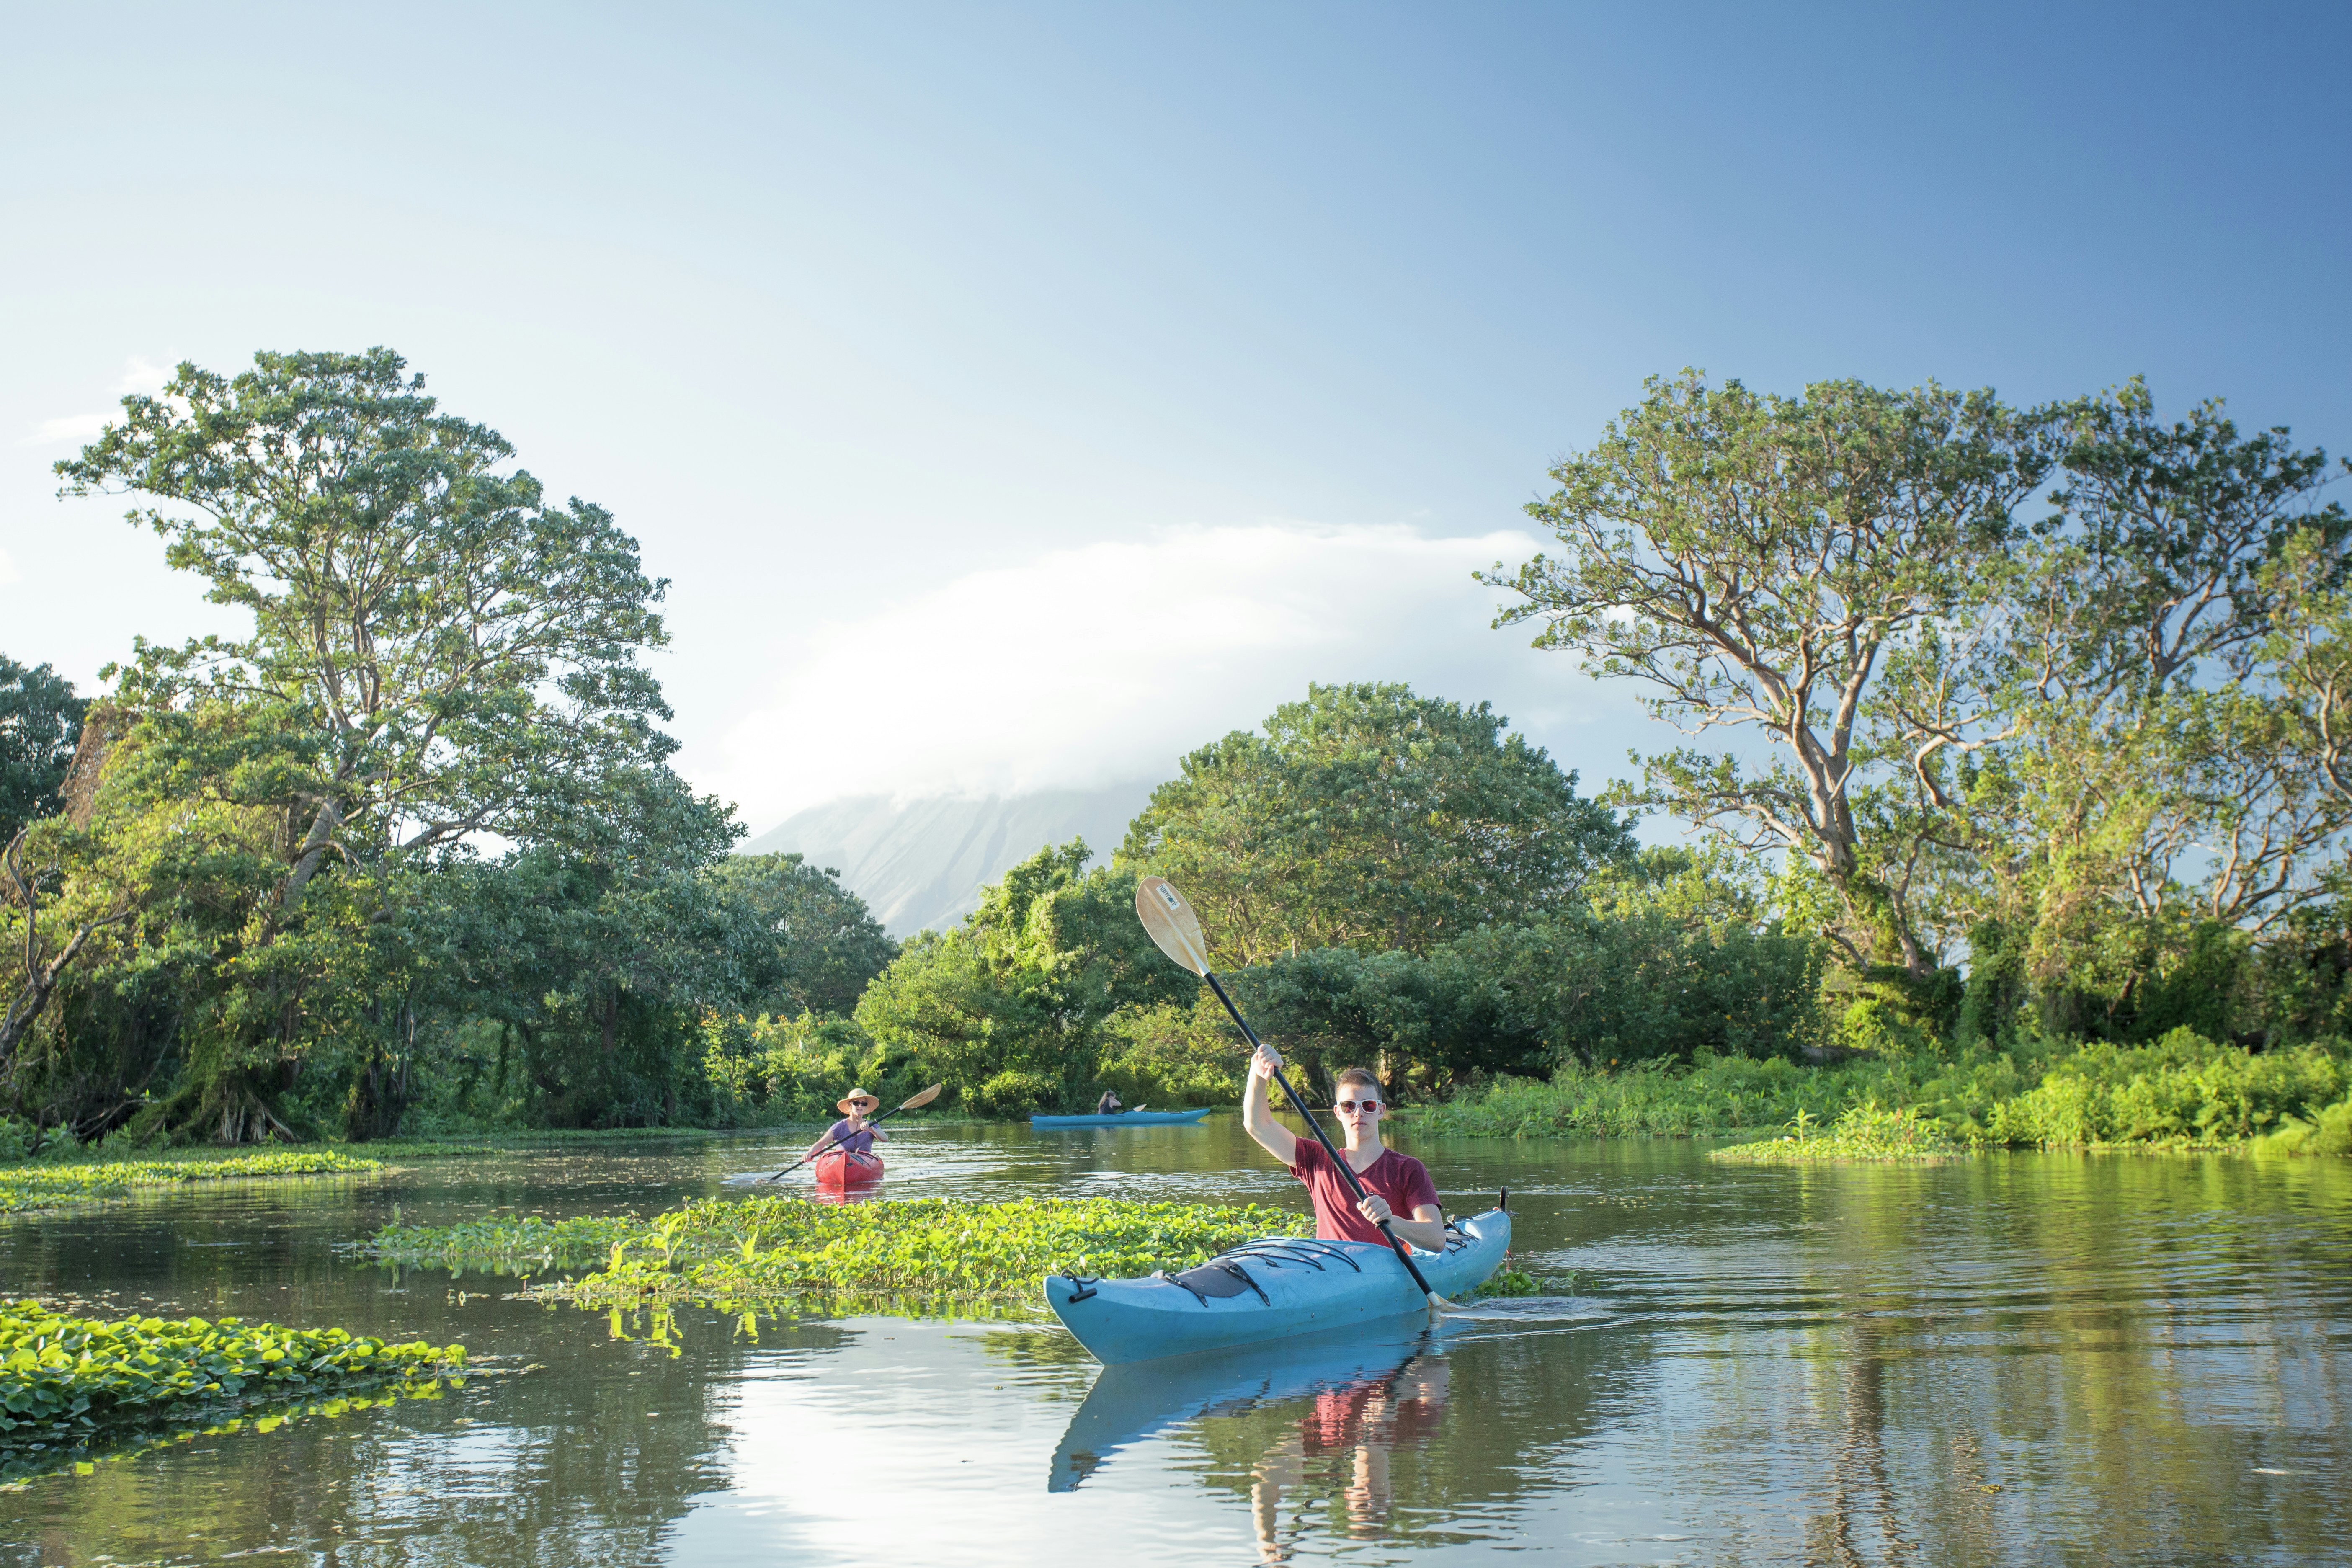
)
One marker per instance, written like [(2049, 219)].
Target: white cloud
[(142, 374), (72, 428), (1107, 663), (8, 573)]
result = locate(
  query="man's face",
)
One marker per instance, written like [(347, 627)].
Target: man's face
[(1360, 1107)]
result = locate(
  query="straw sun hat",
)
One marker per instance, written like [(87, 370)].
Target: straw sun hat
[(857, 1101)]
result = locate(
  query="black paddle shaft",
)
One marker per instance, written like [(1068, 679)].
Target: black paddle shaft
[(1355, 1182)]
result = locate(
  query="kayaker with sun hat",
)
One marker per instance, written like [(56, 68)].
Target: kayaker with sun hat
[(1396, 1187), (852, 1132)]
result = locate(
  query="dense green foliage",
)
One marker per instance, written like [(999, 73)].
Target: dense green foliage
[(1864, 1133), (1014, 1006), (1368, 818), (829, 947), (40, 723), (2181, 1091), (756, 1250), (70, 1383), (273, 909), (2054, 690)]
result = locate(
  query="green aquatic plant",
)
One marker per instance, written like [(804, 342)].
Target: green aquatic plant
[(68, 1384), (2328, 1131), (931, 1249), (46, 1185), (1864, 1133)]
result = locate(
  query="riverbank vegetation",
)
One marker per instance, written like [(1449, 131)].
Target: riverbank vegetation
[(71, 1386), (1866, 1132), (2012, 764)]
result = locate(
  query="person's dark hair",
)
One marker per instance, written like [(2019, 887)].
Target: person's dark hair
[(1361, 1077)]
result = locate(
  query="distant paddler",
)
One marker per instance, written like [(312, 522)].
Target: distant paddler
[(853, 1133), (1109, 1105)]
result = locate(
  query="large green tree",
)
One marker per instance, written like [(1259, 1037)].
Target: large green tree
[(437, 653), (828, 945), (1368, 816), (461, 653), (1803, 574)]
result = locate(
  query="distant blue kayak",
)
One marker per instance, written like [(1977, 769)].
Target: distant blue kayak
[(1271, 1289), (1124, 1119)]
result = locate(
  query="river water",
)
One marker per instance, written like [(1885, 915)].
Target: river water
[(2027, 1358)]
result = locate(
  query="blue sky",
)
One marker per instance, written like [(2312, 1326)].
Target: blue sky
[(945, 357)]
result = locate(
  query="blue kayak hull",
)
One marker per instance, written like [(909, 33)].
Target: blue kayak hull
[(1299, 1287), (1125, 1118)]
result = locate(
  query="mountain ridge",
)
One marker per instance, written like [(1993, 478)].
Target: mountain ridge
[(920, 864)]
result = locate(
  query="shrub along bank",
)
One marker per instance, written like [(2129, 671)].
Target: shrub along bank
[(2183, 1090)]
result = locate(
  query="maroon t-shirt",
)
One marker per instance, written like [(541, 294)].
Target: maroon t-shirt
[(1402, 1180)]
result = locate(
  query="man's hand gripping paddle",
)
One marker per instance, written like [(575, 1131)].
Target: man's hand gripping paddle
[(917, 1103), (1176, 931)]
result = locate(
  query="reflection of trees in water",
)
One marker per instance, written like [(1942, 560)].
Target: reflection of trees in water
[(588, 1460), (2133, 1314)]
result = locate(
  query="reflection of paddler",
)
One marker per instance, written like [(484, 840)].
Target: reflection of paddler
[(1368, 1421), (1130, 1402)]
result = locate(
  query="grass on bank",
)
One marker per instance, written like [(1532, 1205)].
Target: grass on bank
[(71, 1386), (2180, 1092)]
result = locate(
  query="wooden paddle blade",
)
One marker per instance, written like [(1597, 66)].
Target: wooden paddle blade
[(923, 1099), (1171, 923)]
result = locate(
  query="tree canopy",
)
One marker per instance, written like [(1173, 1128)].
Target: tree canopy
[(1989, 678), (1367, 816), (40, 723)]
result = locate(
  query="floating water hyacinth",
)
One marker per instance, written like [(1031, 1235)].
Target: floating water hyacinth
[(68, 1384), (768, 1248), (46, 1185)]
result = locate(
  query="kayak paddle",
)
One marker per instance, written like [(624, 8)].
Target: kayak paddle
[(917, 1103), (1176, 931)]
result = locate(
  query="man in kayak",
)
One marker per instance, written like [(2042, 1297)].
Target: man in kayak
[(1109, 1105), (1396, 1187), (852, 1133)]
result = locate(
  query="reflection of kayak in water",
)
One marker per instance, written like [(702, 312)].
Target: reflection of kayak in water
[(843, 1168), (1270, 1290), (1129, 1404)]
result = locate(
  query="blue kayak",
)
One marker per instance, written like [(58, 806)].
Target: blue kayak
[(1124, 1119), (1270, 1290)]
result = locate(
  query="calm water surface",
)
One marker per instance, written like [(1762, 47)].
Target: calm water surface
[(2034, 1358)]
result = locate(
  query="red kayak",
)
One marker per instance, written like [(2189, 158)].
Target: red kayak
[(841, 1168)]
